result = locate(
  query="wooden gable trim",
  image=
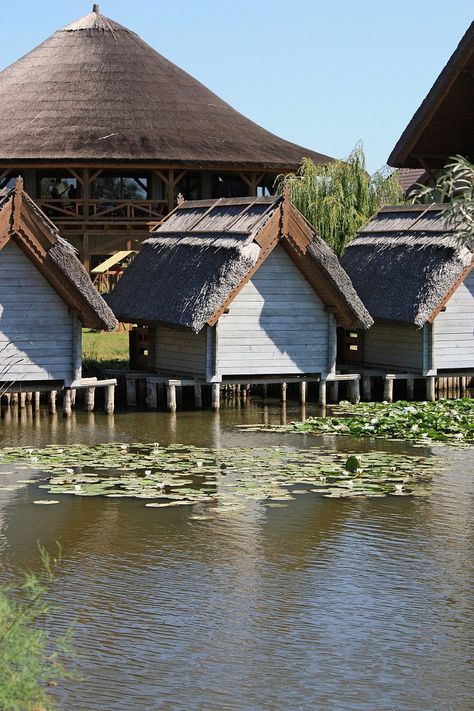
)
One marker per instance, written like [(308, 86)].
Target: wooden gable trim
[(268, 239), (5, 223), (451, 291)]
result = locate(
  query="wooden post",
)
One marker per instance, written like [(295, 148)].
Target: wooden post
[(410, 388), (89, 399), (353, 387), (264, 391), (322, 393), (215, 396), (303, 392), (67, 407), (110, 399), (52, 402), (198, 397), (14, 398), (179, 395), (151, 396), (430, 388), (171, 398), (366, 388), (283, 392), (131, 393), (37, 401), (333, 391), (22, 400), (388, 389), (29, 397), (73, 396)]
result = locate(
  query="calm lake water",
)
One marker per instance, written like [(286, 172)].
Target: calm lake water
[(324, 604)]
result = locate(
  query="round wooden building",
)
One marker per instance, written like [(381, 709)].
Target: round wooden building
[(106, 133)]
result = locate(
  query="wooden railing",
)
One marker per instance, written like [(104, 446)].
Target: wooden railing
[(65, 210)]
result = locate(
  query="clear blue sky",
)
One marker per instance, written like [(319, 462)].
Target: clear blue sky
[(322, 74)]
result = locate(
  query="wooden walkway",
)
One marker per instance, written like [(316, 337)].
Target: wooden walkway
[(21, 394)]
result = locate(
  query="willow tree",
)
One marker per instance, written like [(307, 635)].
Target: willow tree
[(339, 197)]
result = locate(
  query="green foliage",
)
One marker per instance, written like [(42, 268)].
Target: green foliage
[(456, 187), (29, 657), (449, 421), (339, 197)]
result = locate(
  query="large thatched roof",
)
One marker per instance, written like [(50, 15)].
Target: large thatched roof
[(195, 263), (405, 262), (443, 124), (22, 221), (95, 91)]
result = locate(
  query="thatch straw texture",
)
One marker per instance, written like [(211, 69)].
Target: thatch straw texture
[(404, 262), (95, 91), (194, 261), (64, 258)]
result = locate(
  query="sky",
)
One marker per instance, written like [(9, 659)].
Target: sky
[(322, 74)]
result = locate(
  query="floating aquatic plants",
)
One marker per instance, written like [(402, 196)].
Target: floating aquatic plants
[(227, 479), (448, 421)]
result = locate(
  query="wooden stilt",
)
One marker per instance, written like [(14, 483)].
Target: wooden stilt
[(322, 393), (8, 398), (283, 392), (353, 388), (333, 391), (22, 400), (151, 396), (73, 396), (29, 397), (388, 389), (410, 388), (14, 399), (37, 401), (67, 406), (215, 396), (52, 401), (171, 398), (198, 397), (131, 393), (89, 399), (109, 404), (303, 389), (367, 388), (430, 388), (264, 391)]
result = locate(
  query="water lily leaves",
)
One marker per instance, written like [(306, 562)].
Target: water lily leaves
[(353, 464)]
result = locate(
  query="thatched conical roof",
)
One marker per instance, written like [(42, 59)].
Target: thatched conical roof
[(95, 91)]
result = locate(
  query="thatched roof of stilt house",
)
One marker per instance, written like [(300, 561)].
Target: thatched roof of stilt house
[(406, 263), (24, 223), (193, 265), (443, 124), (96, 91)]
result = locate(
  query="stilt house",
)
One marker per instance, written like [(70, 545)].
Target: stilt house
[(46, 296), (106, 133), (238, 287), (415, 275)]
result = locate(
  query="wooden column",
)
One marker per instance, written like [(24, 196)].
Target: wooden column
[(198, 397), (366, 388), (283, 392), (388, 389), (151, 396), (410, 388), (109, 399), (36, 401), (22, 400), (52, 401), (264, 391), (89, 399), (322, 397), (303, 389), (333, 391), (430, 388), (353, 387), (215, 396), (131, 387), (171, 398), (67, 407)]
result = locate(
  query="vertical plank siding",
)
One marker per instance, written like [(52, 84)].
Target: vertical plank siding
[(36, 328), (275, 325), (180, 351), (454, 329), (394, 346)]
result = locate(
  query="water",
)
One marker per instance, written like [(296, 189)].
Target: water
[(324, 604)]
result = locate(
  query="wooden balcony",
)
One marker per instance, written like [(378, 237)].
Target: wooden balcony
[(104, 211)]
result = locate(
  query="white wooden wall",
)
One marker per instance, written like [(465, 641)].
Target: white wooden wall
[(275, 325), (394, 346), (453, 329), (180, 351), (36, 328)]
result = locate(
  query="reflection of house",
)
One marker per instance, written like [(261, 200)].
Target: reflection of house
[(416, 279), (239, 287), (121, 131), (45, 297)]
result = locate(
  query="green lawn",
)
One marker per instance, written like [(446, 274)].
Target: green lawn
[(104, 350)]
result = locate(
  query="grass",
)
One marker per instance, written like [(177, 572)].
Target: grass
[(104, 350)]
